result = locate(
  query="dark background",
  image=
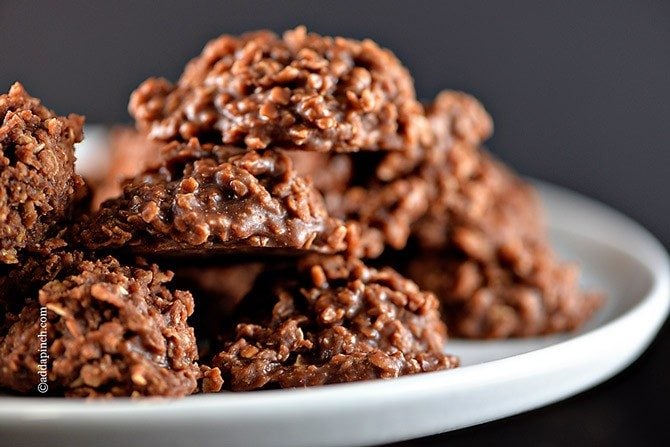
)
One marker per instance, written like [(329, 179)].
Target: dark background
[(579, 91)]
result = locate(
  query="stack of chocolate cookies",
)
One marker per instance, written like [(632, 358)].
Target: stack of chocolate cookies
[(289, 182)]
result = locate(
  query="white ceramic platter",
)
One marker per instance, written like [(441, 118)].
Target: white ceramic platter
[(497, 379)]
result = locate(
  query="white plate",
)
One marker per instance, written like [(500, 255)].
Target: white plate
[(498, 379)]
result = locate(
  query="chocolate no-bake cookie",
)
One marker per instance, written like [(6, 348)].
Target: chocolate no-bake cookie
[(331, 320), (299, 91), (207, 198), (379, 213), (522, 291), (484, 249), (384, 194), (38, 184), (107, 329), (471, 189), (130, 153)]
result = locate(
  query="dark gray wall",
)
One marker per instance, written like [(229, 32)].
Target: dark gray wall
[(580, 92)]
